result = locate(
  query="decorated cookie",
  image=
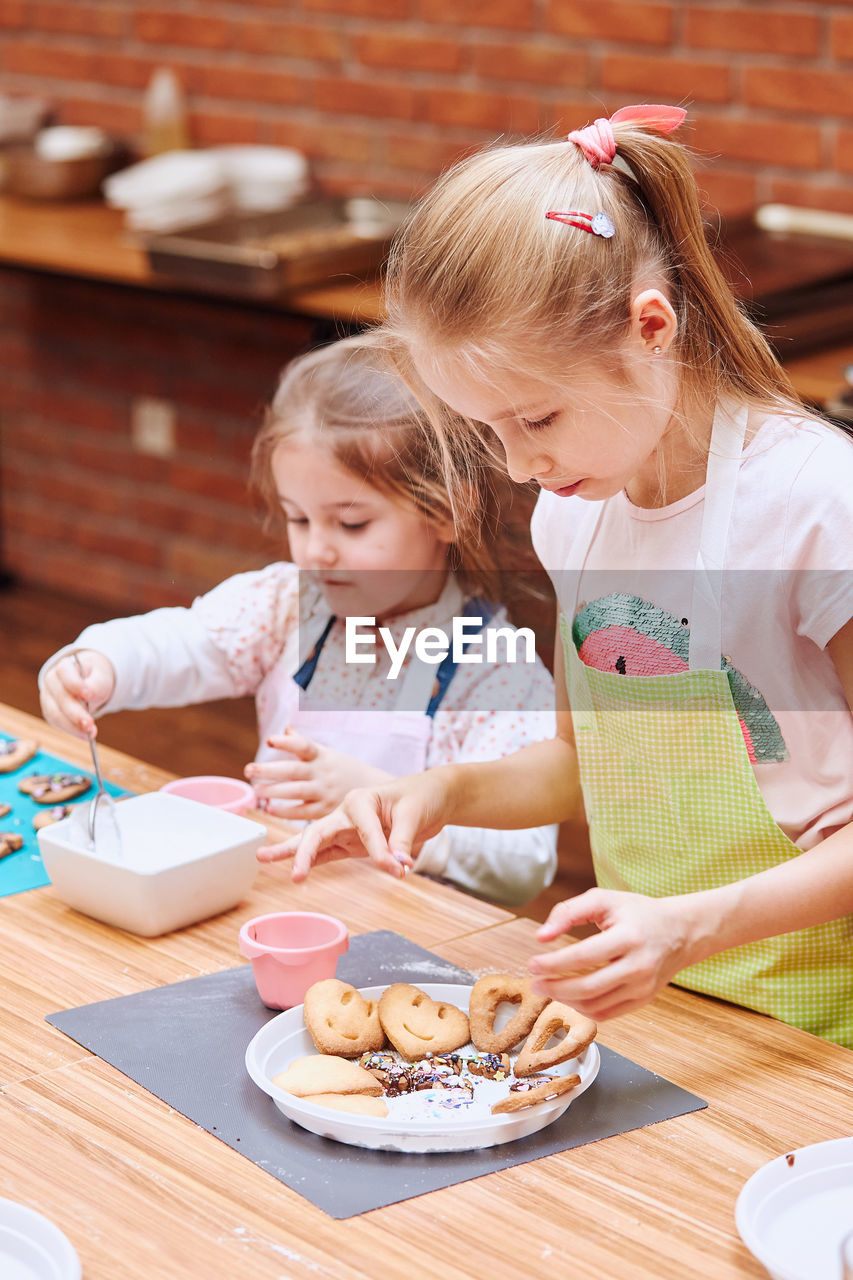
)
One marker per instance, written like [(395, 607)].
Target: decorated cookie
[(542, 1093), (16, 751), (491, 1066), (10, 842), (54, 814), (54, 788), (4, 809), (416, 1025)]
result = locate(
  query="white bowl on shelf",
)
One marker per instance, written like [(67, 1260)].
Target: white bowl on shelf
[(176, 862)]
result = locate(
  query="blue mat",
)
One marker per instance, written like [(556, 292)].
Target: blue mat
[(25, 869)]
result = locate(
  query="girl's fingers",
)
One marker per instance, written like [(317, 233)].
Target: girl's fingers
[(66, 713), (579, 957), (278, 852), (363, 808), (598, 991), (591, 907), (284, 791), (273, 772), (296, 743), (320, 835), (590, 986), (306, 812), (404, 833)]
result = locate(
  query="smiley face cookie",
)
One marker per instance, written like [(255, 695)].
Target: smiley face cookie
[(16, 751), (417, 1025), (54, 788), (340, 1020)]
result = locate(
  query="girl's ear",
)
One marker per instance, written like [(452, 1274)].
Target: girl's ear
[(444, 530), (653, 322)]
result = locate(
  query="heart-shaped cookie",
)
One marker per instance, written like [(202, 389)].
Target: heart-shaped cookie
[(555, 1017), (340, 1020), (487, 994), (417, 1025)]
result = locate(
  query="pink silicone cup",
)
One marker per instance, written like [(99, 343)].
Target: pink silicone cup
[(230, 794), (290, 951)]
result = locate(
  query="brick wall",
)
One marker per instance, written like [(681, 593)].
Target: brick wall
[(383, 93), (82, 511)]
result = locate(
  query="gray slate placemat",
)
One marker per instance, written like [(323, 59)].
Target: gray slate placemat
[(186, 1044)]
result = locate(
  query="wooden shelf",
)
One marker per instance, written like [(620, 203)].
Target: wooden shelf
[(86, 238)]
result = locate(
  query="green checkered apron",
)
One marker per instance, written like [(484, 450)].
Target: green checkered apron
[(671, 797)]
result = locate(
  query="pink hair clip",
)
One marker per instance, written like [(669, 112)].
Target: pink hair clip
[(597, 224), (597, 142)]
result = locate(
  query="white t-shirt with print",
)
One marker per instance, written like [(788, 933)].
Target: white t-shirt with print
[(787, 590)]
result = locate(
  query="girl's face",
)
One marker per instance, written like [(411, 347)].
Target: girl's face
[(592, 435), (370, 556)]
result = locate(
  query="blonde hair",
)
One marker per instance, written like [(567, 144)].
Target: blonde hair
[(349, 398), (479, 271)]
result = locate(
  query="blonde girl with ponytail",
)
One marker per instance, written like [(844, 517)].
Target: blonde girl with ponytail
[(558, 303)]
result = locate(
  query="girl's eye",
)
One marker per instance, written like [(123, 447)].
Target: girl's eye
[(355, 528), (295, 519), (541, 423)]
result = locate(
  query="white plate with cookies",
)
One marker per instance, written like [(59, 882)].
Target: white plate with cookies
[(334, 1102)]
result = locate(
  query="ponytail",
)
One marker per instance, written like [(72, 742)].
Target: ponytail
[(481, 268), (716, 341)]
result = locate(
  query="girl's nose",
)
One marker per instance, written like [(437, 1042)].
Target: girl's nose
[(320, 550), (523, 464)]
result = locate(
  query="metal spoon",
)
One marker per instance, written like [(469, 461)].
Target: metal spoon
[(101, 792)]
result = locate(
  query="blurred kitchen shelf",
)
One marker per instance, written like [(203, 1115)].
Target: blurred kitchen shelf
[(265, 255), (800, 287)]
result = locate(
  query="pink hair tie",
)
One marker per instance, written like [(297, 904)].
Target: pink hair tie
[(597, 142)]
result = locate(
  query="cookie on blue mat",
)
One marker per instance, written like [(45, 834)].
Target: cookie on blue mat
[(16, 751)]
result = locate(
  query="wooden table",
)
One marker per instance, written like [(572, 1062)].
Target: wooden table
[(143, 1193)]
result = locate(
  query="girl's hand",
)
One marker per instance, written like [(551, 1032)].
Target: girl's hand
[(71, 692), (311, 781), (641, 944), (386, 824)]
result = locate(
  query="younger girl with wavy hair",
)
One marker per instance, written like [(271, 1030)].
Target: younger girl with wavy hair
[(351, 477)]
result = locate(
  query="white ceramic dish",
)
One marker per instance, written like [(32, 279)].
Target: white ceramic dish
[(284, 1038), (793, 1212), (177, 862), (32, 1247)]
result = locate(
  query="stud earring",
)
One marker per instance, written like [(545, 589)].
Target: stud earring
[(656, 351)]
